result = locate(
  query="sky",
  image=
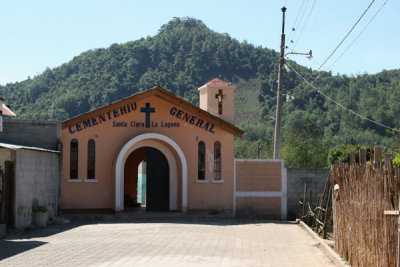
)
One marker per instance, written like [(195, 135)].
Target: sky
[(38, 34)]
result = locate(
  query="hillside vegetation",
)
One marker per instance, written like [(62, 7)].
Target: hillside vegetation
[(184, 55)]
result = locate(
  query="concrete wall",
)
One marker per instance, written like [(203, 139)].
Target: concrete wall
[(296, 179), (36, 183), (6, 155), (260, 189), (44, 134)]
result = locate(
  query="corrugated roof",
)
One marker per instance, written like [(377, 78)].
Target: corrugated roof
[(16, 147)]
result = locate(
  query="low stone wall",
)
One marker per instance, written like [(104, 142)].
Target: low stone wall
[(296, 179)]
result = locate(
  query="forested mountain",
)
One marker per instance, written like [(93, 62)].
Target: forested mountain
[(184, 55)]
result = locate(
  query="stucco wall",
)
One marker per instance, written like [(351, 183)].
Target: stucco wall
[(260, 189), (258, 176), (36, 183), (33, 133), (296, 179), (209, 103), (259, 207), (111, 138)]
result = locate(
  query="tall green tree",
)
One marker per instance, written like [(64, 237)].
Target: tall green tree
[(305, 147)]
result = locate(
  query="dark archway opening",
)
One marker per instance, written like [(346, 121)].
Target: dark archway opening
[(146, 180)]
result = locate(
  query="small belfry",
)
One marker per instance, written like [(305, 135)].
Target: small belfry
[(217, 97)]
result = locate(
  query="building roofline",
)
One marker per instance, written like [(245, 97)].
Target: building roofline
[(32, 121), (166, 95), (16, 147), (217, 86)]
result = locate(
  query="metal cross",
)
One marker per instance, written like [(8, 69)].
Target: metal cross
[(219, 96)]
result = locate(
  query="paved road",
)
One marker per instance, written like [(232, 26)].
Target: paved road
[(163, 243)]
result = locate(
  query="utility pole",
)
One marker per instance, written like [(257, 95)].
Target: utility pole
[(277, 142)]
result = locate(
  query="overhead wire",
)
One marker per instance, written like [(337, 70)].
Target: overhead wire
[(298, 14), (341, 105), (333, 52), (352, 28), (358, 36), (305, 23), (296, 25), (295, 21)]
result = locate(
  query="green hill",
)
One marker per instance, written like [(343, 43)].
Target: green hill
[(184, 55)]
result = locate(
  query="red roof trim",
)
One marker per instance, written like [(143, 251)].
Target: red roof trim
[(217, 82)]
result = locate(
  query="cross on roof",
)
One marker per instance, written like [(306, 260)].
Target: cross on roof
[(220, 97)]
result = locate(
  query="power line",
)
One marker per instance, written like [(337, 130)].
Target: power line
[(342, 106), (298, 14), (305, 23), (358, 36), (295, 21), (296, 26), (333, 52), (352, 28)]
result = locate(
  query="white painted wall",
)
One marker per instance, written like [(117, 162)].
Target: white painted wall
[(36, 183)]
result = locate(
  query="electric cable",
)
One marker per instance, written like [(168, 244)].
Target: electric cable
[(341, 42), (295, 21), (341, 105), (296, 26), (305, 23), (358, 36), (333, 52)]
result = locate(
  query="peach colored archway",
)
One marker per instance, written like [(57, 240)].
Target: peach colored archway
[(152, 140)]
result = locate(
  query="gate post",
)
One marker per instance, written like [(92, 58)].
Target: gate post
[(396, 213)]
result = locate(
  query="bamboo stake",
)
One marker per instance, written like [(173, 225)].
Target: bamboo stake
[(327, 210)]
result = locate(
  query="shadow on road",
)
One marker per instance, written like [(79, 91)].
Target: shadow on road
[(11, 248), (170, 217), (17, 241)]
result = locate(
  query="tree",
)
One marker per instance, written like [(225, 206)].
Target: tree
[(342, 153), (305, 147)]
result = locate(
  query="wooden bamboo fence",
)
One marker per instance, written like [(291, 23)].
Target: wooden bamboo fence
[(363, 234)]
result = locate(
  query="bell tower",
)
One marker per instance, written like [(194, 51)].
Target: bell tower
[(217, 97)]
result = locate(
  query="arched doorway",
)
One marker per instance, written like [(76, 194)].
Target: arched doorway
[(164, 144), (146, 180)]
